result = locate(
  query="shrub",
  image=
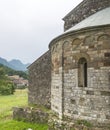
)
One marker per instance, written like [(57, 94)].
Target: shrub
[(7, 88), (84, 122)]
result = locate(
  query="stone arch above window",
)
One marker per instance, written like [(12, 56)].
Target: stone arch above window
[(82, 72), (80, 55)]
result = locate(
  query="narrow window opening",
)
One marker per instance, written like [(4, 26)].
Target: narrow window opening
[(85, 74), (82, 72)]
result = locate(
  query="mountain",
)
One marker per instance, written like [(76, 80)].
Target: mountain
[(10, 72), (5, 63), (18, 65), (14, 64)]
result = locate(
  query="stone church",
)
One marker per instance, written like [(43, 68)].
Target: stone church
[(73, 76)]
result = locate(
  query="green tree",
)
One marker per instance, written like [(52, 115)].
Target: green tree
[(6, 86), (2, 73)]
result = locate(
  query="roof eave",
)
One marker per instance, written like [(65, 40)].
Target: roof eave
[(75, 32)]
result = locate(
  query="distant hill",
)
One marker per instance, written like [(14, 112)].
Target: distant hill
[(14, 64), (10, 72)]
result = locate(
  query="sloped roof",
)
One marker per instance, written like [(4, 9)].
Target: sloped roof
[(100, 18)]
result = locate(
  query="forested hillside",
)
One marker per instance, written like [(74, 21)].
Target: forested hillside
[(14, 64), (6, 85), (8, 71)]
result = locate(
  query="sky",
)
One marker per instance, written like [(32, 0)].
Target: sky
[(28, 26)]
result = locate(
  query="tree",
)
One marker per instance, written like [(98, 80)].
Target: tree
[(6, 86), (2, 73)]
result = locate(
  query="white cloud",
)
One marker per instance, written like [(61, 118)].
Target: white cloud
[(27, 26)]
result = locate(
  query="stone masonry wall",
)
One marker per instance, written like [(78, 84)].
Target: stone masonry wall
[(83, 10), (40, 81), (33, 115), (56, 82), (91, 102)]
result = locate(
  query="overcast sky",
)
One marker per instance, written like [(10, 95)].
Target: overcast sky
[(27, 26)]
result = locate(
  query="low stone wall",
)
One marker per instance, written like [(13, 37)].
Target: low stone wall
[(30, 115), (34, 115)]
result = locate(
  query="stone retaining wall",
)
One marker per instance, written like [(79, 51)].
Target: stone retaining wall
[(30, 115)]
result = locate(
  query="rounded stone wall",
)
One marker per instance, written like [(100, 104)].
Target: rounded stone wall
[(80, 87)]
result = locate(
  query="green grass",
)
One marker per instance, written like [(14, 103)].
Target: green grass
[(6, 103), (84, 122), (15, 125)]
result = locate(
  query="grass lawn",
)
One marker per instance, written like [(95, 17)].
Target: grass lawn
[(6, 103)]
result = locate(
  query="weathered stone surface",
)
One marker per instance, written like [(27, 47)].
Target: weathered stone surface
[(56, 124), (84, 10), (30, 115), (80, 92), (79, 77), (40, 81)]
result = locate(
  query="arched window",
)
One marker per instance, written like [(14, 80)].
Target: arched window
[(82, 72)]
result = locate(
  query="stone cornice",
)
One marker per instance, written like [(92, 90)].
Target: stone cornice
[(74, 32)]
